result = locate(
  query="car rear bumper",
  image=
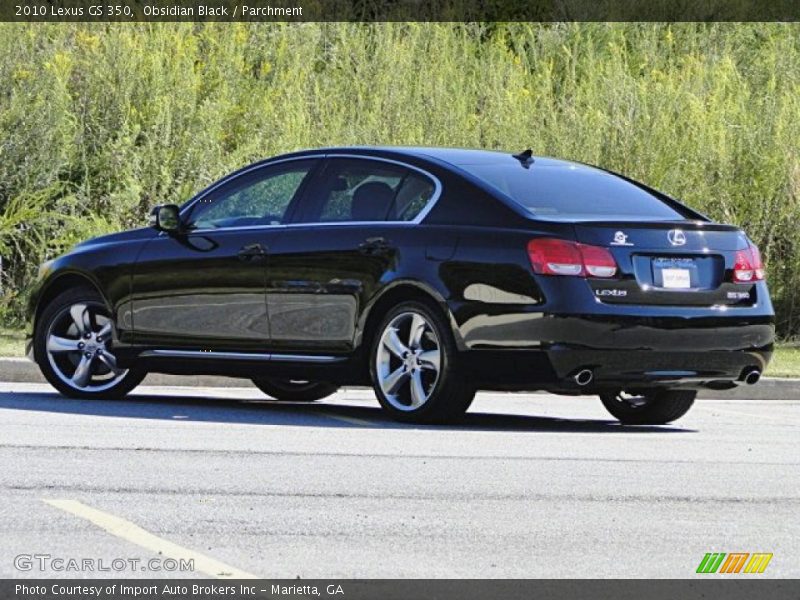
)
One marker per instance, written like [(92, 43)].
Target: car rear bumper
[(589, 370), (625, 352)]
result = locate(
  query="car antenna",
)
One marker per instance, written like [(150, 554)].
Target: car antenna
[(525, 158)]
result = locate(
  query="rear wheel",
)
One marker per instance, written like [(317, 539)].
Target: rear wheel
[(413, 365), (654, 407), (292, 390), (74, 348)]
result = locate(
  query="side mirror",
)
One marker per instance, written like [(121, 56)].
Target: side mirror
[(166, 217)]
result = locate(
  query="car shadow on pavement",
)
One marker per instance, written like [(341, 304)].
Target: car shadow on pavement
[(319, 414)]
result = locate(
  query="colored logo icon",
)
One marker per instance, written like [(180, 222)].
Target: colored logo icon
[(735, 562)]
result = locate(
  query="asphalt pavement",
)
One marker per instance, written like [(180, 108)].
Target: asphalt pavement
[(529, 485)]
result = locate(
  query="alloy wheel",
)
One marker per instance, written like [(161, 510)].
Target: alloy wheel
[(408, 361), (79, 348)]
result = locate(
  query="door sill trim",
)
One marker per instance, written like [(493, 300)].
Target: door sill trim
[(252, 356)]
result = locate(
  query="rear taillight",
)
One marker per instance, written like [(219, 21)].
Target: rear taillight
[(550, 256), (748, 266)]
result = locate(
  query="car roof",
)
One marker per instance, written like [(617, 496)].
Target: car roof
[(469, 156), (459, 157)]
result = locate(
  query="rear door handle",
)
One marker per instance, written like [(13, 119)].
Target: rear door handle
[(374, 246), (252, 253)]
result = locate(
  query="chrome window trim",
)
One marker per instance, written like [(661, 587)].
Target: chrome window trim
[(313, 358), (437, 192)]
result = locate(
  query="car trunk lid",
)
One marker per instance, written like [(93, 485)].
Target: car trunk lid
[(669, 262)]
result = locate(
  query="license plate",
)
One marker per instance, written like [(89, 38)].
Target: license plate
[(676, 279)]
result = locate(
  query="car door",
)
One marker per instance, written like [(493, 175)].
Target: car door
[(343, 244), (204, 289)]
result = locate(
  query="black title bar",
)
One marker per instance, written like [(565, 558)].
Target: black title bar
[(702, 587), (131, 11)]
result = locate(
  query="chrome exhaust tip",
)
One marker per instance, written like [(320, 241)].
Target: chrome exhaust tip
[(752, 377), (584, 377)]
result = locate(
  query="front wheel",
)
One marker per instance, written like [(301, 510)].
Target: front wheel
[(413, 365), (291, 390), (74, 348), (654, 407)]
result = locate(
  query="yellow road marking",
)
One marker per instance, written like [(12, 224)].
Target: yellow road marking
[(131, 532)]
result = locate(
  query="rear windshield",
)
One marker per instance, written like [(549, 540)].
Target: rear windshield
[(576, 192)]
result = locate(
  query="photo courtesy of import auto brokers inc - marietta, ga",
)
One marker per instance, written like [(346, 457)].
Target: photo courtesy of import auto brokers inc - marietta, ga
[(428, 273)]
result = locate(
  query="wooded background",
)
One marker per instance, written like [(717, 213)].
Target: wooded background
[(98, 122)]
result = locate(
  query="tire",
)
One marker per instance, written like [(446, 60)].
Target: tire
[(286, 390), (413, 364), (654, 407), (73, 346)]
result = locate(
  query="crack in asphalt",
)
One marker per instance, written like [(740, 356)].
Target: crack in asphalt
[(420, 497)]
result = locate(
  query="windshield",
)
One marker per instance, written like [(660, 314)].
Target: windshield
[(574, 191)]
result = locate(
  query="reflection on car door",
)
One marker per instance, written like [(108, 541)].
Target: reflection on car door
[(205, 289), (350, 226), (318, 277)]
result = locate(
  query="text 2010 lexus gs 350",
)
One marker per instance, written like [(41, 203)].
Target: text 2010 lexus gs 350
[(427, 273)]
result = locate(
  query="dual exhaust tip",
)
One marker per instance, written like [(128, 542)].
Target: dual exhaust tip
[(751, 376), (584, 377)]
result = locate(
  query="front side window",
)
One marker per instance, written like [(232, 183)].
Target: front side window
[(368, 190), (261, 197)]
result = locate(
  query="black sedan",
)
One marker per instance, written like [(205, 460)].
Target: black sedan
[(427, 273)]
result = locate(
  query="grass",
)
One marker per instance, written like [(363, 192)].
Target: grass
[(12, 342), (785, 361)]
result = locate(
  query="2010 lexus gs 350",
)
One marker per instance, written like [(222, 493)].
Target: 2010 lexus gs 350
[(427, 273)]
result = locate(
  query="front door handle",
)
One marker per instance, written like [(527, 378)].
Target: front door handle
[(374, 246), (252, 253)]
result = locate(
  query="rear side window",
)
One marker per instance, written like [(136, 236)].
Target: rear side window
[(367, 190), (572, 191)]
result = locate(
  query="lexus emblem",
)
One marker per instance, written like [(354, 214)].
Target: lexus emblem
[(676, 237)]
